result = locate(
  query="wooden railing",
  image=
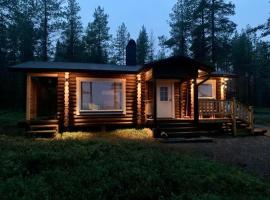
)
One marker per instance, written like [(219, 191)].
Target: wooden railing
[(215, 108), (230, 109)]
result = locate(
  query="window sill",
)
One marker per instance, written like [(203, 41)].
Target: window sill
[(209, 98), (84, 112)]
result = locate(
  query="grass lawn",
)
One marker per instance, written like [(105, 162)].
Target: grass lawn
[(123, 164), (102, 168), (262, 116)]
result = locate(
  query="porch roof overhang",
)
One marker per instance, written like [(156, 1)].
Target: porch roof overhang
[(223, 74), (34, 66), (177, 67)]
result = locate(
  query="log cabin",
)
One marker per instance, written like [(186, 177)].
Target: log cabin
[(176, 96)]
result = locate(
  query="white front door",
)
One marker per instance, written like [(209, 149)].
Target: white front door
[(165, 102)]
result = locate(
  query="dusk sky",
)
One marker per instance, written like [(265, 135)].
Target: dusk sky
[(154, 14)]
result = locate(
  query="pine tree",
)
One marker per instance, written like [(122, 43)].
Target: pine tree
[(120, 43), (71, 44), (221, 29), (151, 50), (181, 26), (21, 30), (199, 47), (3, 38), (96, 40), (263, 28), (142, 46), (50, 21), (162, 53), (60, 52)]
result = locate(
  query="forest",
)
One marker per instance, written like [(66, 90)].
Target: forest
[(51, 30)]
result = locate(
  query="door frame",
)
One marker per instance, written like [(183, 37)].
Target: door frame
[(171, 82), (29, 91)]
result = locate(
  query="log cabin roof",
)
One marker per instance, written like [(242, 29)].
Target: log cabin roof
[(180, 61), (82, 67)]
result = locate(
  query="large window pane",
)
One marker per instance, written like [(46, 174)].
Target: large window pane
[(101, 96), (206, 90)]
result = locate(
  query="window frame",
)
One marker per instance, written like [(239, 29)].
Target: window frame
[(213, 83), (163, 92), (79, 109)]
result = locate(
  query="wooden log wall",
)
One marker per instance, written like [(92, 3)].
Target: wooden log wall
[(185, 99), (177, 99), (60, 98), (143, 99), (86, 120), (218, 89)]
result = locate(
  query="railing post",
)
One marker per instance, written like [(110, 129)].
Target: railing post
[(251, 119), (234, 125)]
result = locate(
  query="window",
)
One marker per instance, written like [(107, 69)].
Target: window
[(101, 95), (207, 90), (163, 93)]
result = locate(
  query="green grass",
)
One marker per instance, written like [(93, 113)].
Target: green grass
[(9, 120), (121, 164), (262, 116), (87, 168)]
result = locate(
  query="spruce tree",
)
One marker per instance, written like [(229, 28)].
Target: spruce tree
[(71, 44), (199, 45), (120, 43), (142, 46), (96, 40), (181, 26), (221, 29), (151, 50), (50, 21), (3, 38)]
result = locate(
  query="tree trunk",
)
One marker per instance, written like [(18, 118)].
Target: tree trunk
[(213, 49), (45, 34)]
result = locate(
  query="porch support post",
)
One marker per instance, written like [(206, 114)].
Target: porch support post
[(28, 97), (66, 100), (155, 102), (196, 103)]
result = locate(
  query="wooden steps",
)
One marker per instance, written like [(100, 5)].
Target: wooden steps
[(186, 140), (178, 129), (42, 128)]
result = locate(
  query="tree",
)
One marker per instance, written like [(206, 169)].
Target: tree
[(50, 21), (242, 60), (181, 25), (71, 45), (162, 53), (97, 38), (142, 46), (199, 47), (120, 43), (221, 29), (3, 38), (60, 52), (21, 33), (151, 50)]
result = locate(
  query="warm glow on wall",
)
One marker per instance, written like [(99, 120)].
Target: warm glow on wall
[(66, 100), (224, 82), (139, 98)]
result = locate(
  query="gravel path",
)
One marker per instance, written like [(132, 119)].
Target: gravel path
[(250, 153)]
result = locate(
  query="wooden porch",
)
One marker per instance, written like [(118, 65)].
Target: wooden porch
[(231, 115)]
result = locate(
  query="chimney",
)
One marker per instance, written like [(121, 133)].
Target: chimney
[(131, 53)]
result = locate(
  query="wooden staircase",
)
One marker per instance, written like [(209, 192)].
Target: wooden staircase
[(42, 128), (178, 129)]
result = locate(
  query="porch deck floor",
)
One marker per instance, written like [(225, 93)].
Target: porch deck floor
[(201, 120)]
